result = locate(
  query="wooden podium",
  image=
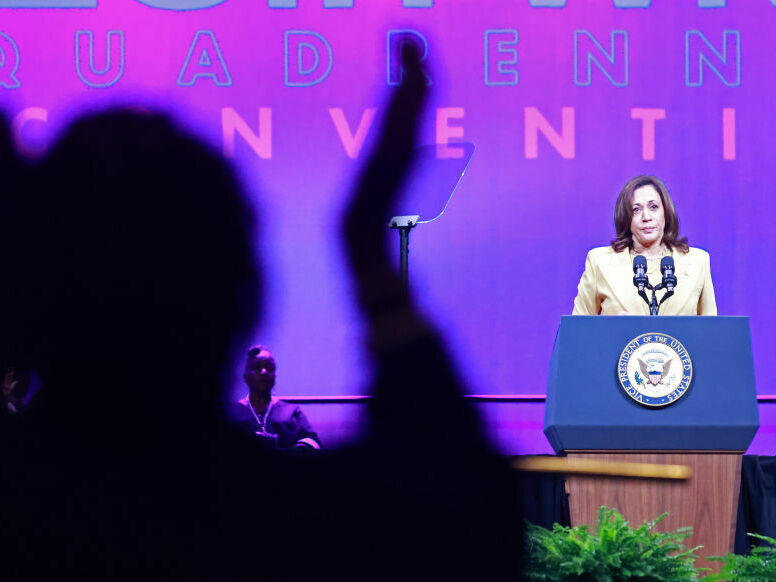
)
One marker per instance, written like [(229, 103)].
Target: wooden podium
[(707, 429), (707, 501)]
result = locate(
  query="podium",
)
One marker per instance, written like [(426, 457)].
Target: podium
[(590, 414)]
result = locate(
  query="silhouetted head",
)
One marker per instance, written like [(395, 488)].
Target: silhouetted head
[(144, 276)]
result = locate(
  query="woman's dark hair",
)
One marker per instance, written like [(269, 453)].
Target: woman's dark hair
[(623, 215)]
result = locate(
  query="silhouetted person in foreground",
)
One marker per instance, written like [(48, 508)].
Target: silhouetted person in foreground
[(446, 505), (422, 497), (139, 279), (134, 250)]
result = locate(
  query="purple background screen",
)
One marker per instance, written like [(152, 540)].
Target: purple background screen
[(564, 104)]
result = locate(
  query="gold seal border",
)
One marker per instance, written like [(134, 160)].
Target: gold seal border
[(692, 368)]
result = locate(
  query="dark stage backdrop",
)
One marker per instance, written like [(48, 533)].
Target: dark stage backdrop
[(565, 100)]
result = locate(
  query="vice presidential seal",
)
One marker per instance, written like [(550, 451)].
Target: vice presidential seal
[(655, 369)]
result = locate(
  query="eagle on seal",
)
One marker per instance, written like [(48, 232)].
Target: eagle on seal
[(655, 372)]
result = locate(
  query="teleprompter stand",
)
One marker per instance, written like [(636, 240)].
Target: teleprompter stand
[(404, 224), (434, 174)]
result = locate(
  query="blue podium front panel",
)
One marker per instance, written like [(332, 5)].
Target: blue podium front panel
[(587, 409)]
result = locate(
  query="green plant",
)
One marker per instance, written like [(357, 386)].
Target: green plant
[(614, 552), (759, 565)]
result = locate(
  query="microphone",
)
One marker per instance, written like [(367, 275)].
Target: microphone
[(667, 268), (640, 270)]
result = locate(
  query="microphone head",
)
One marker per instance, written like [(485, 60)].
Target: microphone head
[(639, 262), (666, 263)]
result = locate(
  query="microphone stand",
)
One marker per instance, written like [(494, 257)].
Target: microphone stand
[(643, 293), (642, 282), (668, 294), (654, 306)]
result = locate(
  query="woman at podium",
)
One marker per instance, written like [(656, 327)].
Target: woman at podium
[(646, 224)]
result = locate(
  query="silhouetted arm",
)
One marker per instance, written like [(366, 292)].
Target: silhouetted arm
[(418, 394), (379, 288)]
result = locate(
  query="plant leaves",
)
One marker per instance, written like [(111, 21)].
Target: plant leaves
[(613, 552)]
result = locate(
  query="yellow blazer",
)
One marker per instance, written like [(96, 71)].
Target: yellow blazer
[(607, 288)]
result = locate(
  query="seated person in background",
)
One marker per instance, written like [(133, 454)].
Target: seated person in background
[(277, 423)]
